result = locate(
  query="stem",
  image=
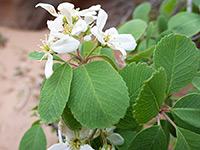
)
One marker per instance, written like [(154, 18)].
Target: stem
[(189, 5), (72, 54), (168, 119), (59, 132), (91, 52), (158, 119), (103, 137), (74, 57), (73, 65), (90, 57), (91, 136)]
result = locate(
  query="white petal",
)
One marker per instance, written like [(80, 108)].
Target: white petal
[(90, 11), (98, 34), (90, 19), (65, 45), (49, 66), (116, 139), (111, 129), (56, 25), (49, 8), (111, 31), (67, 10), (95, 7), (125, 41), (59, 146), (101, 19), (86, 147), (80, 26), (87, 38)]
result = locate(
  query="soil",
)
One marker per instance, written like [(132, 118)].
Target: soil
[(20, 79)]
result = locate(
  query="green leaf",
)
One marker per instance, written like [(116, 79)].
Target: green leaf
[(177, 54), (185, 23), (162, 23), (196, 2), (185, 125), (147, 54), (149, 33), (55, 65), (188, 109), (169, 7), (38, 56), (135, 27), (95, 101), (108, 59), (33, 139), (142, 11), (55, 93), (152, 138), (187, 140), (128, 135), (151, 97), (196, 81), (142, 46), (110, 53), (69, 119), (134, 76)]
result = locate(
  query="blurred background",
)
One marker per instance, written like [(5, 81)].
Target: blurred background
[(21, 28)]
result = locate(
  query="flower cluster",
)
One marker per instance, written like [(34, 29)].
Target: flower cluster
[(79, 140), (73, 26)]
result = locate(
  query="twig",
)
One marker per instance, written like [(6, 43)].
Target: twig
[(168, 119), (91, 136), (103, 137), (158, 119), (189, 6)]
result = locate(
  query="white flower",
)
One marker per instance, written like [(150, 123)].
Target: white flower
[(74, 140), (59, 43), (114, 138), (111, 37)]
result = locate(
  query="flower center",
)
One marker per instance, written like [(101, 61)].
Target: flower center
[(75, 143)]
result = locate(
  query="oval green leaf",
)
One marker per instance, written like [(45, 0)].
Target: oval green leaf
[(99, 96), (151, 97), (33, 139), (135, 27), (178, 55), (152, 138), (188, 109), (134, 76), (55, 94), (185, 23), (142, 11), (187, 140)]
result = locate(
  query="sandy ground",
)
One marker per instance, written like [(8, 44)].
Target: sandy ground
[(18, 76)]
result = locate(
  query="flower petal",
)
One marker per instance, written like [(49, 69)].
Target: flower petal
[(101, 19), (80, 26), (90, 19), (112, 31), (67, 10), (87, 38), (86, 147), (56, 25), (125, 41), (65, 45), (49, 8), (49, 66), (59, 146), (116, 139), (98, 34)]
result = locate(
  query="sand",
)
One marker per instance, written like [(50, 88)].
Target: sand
[(18, 76)]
